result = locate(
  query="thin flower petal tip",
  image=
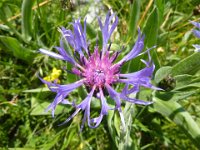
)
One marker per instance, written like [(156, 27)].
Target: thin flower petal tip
[(197, 47), (107, 29), (195, 24), (197, 34), (98, 72), (51, 54), (136, 50)]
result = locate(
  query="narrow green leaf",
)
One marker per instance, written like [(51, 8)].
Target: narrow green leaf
[(10, 25), (126, 142), (185, 82), (174, 95), (111, 128), (12, 45), (184, 79), (45, 89), (21, 148), (151, 33), (189, 65), (151, 28), (4, 27), (160, 5), (27, 18), (134, 16), (110, 122), (191, 86), (181, 117), (38, 108)]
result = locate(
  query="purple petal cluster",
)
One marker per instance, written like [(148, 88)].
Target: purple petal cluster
[(99, 71), (106, 32), (197, 34)]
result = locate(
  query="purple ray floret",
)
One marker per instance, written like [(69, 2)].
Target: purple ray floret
[(76, 39), (63, 55), (106, 31), (136, 50), (98, 72)]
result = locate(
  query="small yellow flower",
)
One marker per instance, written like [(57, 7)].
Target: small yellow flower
[(160, 50), (54, 75)]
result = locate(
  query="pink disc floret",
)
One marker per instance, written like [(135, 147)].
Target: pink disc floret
[(99, 70)]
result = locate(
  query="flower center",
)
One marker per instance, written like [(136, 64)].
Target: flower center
[(99, 77), (99, 71)]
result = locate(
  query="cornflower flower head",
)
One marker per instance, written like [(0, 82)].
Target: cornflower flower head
[(197, 34), (98, 72)]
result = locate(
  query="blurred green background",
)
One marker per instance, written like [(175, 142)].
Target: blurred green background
[(172, 122)]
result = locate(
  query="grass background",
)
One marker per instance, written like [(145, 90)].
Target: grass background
[(27, 25)]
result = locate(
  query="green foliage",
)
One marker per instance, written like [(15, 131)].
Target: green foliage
[(134, 17), (171, 122), (13, 46), (27, 19)]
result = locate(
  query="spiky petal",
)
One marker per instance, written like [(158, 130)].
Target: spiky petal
[(105, 30)]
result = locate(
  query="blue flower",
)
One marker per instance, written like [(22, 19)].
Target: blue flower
[(197, 34), (99, 72)]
